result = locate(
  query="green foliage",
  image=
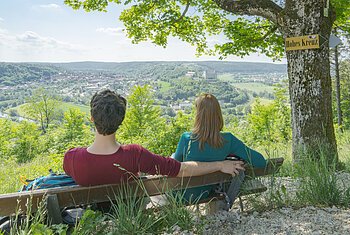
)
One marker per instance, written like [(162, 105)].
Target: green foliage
[(251, 36), (342, 8), (13, 74), (31, 223), (158, 20), (198, 21), (344, 74), (129, 216), (73, 124), (26, 146), (92, 222), (43, 107), (26, 152), (270, 123), (11, 171), (175, 213), (345, 92), (144, 125), (142, 117), (168, 138), (187, 89), (6, 136)]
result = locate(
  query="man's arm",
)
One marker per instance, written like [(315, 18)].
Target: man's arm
[(201, 168)]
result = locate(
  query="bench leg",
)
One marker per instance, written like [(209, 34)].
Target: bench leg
[(241, 203), (53, 210)]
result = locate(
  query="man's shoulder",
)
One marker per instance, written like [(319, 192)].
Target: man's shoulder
[(74, 151), (132, 148)]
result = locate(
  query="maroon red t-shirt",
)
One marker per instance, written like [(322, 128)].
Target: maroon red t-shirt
[(89, 169)]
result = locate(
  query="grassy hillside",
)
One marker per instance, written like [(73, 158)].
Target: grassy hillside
[(64, 107), (254, 87)]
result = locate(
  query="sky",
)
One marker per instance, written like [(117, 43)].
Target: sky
[(49, 31)]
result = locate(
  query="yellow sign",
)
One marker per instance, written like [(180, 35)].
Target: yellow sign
[(303, 42)]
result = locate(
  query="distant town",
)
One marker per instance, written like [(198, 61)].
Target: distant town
[(174, 85)]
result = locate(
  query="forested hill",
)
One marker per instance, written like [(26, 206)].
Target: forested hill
[(219, 66), (18, 73), (15, 73), (12, 74)]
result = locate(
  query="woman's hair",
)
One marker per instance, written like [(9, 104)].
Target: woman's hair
[(208, 121)]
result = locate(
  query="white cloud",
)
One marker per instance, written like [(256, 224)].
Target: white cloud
[(47, 8), (30, 46), (32, 39), (111, 31), (1, 19), (50, 6)]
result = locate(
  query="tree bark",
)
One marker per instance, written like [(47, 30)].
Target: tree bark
[(308, 70), (309, 80)]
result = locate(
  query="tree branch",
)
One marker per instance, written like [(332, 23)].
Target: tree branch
[(271, 31), (185, 11), (264, 8), (182, 15)]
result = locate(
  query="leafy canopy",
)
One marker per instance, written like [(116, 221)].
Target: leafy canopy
[(197, 22), (211, 28)]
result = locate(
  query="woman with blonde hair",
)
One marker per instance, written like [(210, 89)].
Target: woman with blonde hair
[(207, 143)]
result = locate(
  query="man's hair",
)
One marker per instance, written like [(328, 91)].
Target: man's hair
[(107, 111)]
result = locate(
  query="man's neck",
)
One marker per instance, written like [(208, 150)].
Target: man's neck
[(104, 144)]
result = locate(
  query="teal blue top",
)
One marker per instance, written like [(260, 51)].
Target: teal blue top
[(189, 151)]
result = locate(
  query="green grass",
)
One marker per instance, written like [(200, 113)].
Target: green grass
[(226, 77), (249, 86), (164, 86), (254, 87), (84, 108), (317, 182)]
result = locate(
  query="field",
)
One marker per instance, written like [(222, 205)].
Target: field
[(64, 106), (164, 86), (254, 87), (249, 86)]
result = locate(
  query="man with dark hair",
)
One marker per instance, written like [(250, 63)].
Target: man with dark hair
[(106, 161)]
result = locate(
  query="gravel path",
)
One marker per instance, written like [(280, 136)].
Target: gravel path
[(308, 220), (283, 221)]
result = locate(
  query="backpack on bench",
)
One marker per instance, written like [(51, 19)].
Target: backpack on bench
[(53, 180)]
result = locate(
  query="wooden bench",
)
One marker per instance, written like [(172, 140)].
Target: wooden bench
[(57, 199)]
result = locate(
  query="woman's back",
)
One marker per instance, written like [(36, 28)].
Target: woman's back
[(188, 150)]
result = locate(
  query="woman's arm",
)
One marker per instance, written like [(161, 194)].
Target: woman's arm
[(249, 155), (179, 150)]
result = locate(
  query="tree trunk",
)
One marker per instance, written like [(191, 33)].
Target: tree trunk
[(309, 80), (337, 88)]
